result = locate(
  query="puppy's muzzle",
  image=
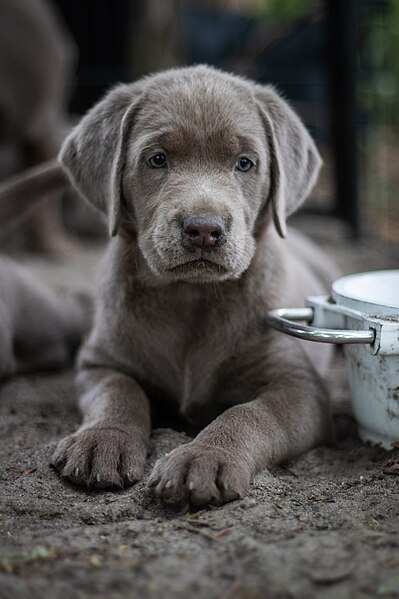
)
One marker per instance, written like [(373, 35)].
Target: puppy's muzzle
[(203, 232)]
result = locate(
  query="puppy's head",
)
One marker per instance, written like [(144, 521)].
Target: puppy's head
[(196, 162)]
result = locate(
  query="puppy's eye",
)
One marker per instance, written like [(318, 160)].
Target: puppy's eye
[(244, 164), (157, 161)]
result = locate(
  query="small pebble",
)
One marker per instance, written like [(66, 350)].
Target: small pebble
[(248, 503)]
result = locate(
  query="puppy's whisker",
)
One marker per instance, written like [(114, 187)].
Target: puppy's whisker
[(215, 290), (131, 252), (130, 249)]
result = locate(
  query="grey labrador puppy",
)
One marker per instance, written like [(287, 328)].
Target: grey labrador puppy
[(196, 171)]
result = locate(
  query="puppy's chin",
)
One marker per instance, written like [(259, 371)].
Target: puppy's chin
[(200, 270), (199, 267)]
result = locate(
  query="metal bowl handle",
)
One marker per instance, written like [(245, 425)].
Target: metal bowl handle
[(281, 319)]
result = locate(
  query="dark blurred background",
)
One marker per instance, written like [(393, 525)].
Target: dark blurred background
[(337, 61)]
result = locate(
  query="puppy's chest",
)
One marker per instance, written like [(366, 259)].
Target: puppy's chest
[(180, 351)]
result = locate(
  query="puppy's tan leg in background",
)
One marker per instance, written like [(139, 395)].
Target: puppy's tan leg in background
[(21, 194)]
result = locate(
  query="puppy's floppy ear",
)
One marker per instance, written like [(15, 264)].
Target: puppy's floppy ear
[(294, 159), (94, 152)]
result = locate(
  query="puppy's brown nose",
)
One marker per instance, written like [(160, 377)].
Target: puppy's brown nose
[(204, 231)]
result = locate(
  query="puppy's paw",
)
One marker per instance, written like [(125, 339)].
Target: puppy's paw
[(199, 474), (101, 457)]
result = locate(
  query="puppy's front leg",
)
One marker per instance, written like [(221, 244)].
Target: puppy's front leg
[(110, 448), (290, 415)]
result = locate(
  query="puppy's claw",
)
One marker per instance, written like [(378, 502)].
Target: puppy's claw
[(153, 482), (98, 478), (76, 472), (130, 479), (191, 485), (58, 465), (168, 484)]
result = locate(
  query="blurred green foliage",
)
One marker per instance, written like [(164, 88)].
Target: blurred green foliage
[(284, 10), (378, 98), (379, 86)]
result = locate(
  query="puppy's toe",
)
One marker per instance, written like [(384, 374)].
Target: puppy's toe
[(60, 455), (71, 461), (116, 464), (132, 466), (168, 478), (201, 481), (232, 481)]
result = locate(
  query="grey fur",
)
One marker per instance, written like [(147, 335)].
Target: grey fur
[(171, 324), (39, 329)]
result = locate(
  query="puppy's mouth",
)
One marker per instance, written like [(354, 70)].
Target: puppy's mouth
[(199, 265)]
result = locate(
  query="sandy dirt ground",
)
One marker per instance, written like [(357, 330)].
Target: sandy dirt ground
[(326, 525)]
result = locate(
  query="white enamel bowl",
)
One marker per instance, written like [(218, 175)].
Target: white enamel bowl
[(363, 314)]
